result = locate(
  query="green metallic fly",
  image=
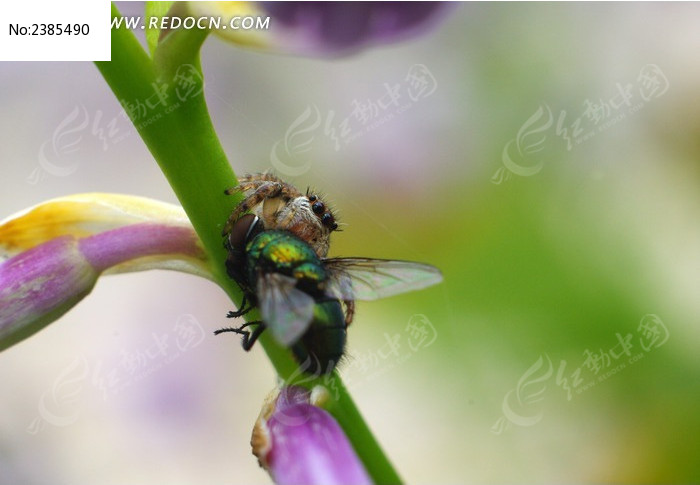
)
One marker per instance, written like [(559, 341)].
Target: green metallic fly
[(301, 296)]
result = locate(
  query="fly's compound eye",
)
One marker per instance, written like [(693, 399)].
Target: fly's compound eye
[(318, 207), (243, 230)]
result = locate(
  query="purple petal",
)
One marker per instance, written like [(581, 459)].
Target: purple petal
[(339, 28), (303, 444), (113, 247), (39, 285)]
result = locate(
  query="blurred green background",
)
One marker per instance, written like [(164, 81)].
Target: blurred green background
[(545, 264)]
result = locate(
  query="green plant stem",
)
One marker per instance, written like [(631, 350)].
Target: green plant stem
[(179, 133)]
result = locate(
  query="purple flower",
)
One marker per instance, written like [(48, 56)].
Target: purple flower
[(299, 443), (325, 29), (55, 251)]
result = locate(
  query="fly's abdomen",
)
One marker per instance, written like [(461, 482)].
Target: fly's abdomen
[(323, 344)]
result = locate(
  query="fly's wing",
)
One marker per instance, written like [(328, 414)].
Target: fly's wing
[(370, 279), (287, 311)]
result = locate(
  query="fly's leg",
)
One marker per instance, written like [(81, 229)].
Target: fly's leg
[(249, 338), (238, 313), (241, 311)]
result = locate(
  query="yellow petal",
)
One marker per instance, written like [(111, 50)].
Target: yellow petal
[(84, 215), (257, 39), (81, 215)]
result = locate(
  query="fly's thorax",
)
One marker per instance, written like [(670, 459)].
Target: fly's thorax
[(281, 248), (257, 245), (282, 252)]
